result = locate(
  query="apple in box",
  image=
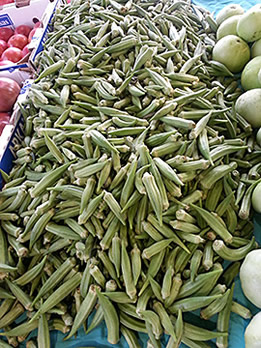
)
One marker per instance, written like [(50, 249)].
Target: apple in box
[(9, 91), (17, 40), (12, 54), (6, 33), (23, 30)]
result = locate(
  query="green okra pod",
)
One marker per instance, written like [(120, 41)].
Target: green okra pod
[(84, 310), (233, 254), (111, 318), (214, 223)]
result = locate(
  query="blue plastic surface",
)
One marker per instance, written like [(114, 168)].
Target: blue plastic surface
[(97, 338)]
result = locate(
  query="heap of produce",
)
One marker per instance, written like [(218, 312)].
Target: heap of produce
[(133, 183)]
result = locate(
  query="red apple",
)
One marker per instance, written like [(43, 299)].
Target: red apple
[(23, 29), (4, 116), (5, 2), (2, 125), (4, 120), (13, 54), (17, 40), (6, 33)]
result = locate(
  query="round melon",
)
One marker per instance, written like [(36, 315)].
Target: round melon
[(250, 277), (253, 333), (249, 25), (229, 11), (249, 77), (233, 52), (256, 49), (228, 27), (256, 198), (248, 105)]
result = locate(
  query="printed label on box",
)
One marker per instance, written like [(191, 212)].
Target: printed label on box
[(5, 20)]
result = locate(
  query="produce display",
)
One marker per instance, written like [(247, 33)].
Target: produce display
[(135, 179)]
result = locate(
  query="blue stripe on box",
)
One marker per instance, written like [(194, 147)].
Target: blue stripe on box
[(12, 68)]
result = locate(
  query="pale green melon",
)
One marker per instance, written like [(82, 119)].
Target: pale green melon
[(248, 105), (232, 51), (249, 25), (228, 27), (256, 49), (229, 11), (253, 333), (249, 77)]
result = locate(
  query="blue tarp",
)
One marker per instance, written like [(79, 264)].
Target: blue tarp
[(214, 6)]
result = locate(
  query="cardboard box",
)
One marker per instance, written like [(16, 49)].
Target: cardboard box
[(19, 73)]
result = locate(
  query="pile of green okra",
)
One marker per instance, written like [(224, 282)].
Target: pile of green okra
[(132, 184)]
